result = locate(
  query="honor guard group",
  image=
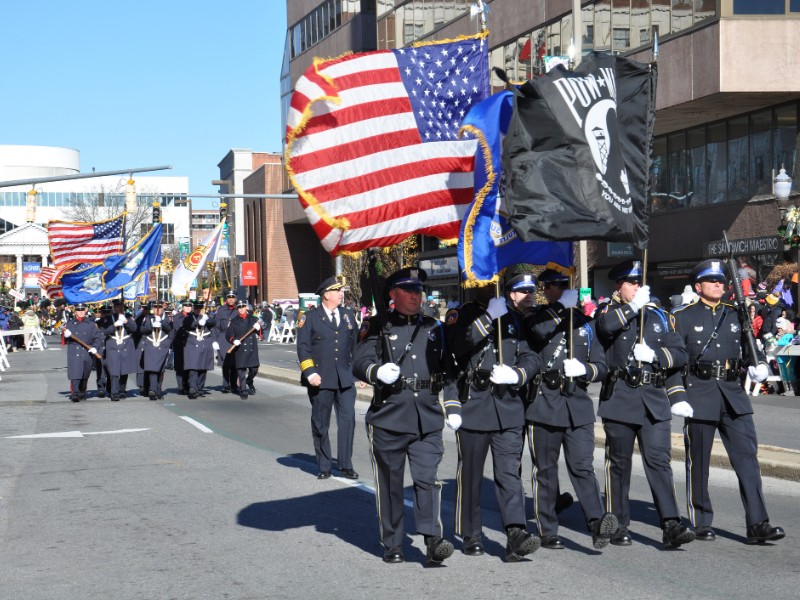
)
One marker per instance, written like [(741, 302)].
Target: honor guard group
[(114, 344)]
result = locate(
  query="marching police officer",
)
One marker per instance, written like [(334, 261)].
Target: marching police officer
[(711, 399), (121, 356), (80, 359), (198, 353), (156, 331), (100, 371), (561, 412), (493, 363), (326, 339), (180, 337), (224, 315), (634, 404), (142, 382), (403, 355), (242, 335)]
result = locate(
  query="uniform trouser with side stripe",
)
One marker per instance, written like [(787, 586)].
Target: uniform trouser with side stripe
[(323, 401), (388, 450), (544, 442), (473, 447), (738, 435), (655, 444)]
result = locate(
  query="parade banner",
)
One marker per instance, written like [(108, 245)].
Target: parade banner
[(191, 266), (487, 243), (140, 258), (577, 153), (372, 144)]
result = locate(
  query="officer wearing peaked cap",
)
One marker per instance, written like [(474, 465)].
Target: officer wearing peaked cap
[(121, 357), (157, 335), (224, 315), (493, 363), (180, 337), (710, 398), (634, 402), (198, 352), (243, 332), (402, 354), (326, 339), (79, 359)]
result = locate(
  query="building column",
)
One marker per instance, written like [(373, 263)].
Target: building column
[(19, 272)]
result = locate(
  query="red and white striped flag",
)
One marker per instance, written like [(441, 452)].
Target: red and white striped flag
[(372, 143), (73, 242)]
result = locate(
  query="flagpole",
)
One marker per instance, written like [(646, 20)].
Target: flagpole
[(644, 283), (569, 382), (498, 327)]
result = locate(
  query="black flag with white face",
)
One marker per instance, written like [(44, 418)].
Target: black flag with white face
[(577, 153)]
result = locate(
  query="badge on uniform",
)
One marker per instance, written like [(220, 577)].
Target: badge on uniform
[(451, 317), (657, 327), (734, 328), (393, 337), (432, 335), (698, 328), (301, 320), (581, 332), (347, 320), (511, 329)]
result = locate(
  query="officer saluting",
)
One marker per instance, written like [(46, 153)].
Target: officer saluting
[(156, 339), (561, 411), (80, 360), (493, 364), (711, 398), (243, 333), (634, 403), (405, 419), (326, 339)]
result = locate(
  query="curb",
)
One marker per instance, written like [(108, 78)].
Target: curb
[(782, 463)]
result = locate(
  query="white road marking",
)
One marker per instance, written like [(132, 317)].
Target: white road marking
[(200, 426), (368, 488), (72, 434)]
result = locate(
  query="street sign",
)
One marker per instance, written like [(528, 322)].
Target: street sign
[(248, 272)]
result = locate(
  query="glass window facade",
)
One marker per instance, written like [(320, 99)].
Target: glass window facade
[(759, 7), (726, 161), (56, 199), (324, 20), (401, 22)]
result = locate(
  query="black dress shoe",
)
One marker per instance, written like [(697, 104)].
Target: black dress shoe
[(226, 389), (75, 398), (348, 473), (764, 532), (520, 543), (324, 475), (676, 534), (563, 502), (602, 529), (621, 537), (704, 534), (101, 394), (393, 556), (153, 395), (473, 546), (552, 542), (114, 398), (192, 393), (143, 392), (251, 389), (438, 549), (243, 395)]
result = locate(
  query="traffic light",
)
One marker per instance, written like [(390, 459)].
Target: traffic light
[(156, 213)]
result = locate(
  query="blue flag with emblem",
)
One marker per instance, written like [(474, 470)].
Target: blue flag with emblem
[(487, 244), (122, 269), (86, 285)]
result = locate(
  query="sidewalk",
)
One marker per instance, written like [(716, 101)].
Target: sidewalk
[(783, 463)]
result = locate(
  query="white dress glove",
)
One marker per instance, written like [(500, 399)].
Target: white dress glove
[(257, 326), (574, 368), (92, 350), (174, 312), (644, 353), (758, 373), (640, 298), (503, 374), (682, 409), (237, 342), (388, 373), (157, 322), (67, 333), (454, 421), (497, 308), (215, 345), (121, 320), (569, 299), (203, 320)]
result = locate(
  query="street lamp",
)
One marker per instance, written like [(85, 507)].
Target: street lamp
[(782, 188)]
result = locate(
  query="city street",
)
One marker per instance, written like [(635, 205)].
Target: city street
[(218, 498)]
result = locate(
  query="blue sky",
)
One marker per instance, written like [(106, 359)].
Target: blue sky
[(144, 83)]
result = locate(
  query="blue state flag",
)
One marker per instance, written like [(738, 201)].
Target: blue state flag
[(86, 285), (123, 268), (138, 288), (487, 243)]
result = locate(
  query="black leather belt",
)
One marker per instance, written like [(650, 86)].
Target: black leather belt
[(636, 376), (728, 370), (414, 384)]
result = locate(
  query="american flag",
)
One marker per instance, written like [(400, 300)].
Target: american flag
[(72, 242), (373, 147)]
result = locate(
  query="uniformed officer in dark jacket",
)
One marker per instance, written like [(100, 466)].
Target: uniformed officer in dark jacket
[(80, 360), (180, 337), (561, 412), (121, 357), (100, 371), (242, 334), (634, 405), (490, 413), (326, 339), (142, 382), (224, 315), (405, 420), (198, 352), (157, 334), (711, 398)]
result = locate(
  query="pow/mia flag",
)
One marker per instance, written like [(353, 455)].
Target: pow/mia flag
[(577, 153)]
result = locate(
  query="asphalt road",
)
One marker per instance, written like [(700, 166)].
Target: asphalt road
[(144, 503)]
